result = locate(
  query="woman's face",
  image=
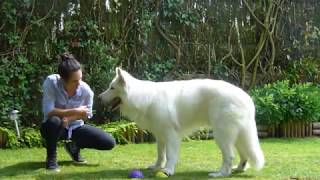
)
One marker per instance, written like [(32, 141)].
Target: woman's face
[(74, 80)]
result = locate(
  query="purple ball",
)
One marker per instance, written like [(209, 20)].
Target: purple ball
[(136, 174)]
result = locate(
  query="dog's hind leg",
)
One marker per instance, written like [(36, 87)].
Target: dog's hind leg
[(161, 159), (173, 141), (243, 164), (225, 139)]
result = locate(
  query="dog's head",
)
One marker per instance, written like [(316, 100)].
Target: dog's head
[(114, 95)]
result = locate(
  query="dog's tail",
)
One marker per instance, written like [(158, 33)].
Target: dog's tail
[(254, 151), (256, 157), (249, 147)]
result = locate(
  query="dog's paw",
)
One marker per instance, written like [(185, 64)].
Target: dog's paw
[(236, 169), (167, 171), (217, 174), (240, 168)]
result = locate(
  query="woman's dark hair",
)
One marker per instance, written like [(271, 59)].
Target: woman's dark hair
[(68, 65)]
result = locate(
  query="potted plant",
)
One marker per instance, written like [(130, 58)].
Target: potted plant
[(3, 137)]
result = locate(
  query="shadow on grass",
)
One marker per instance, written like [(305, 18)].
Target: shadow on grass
[(31, 167), (104, 174), (123, 174), (19, 168), (204, 175), (36, 169)]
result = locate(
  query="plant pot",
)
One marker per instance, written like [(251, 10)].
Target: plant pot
[(3, 139)]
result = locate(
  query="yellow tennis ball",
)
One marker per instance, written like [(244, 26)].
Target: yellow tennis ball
[(161, 174)]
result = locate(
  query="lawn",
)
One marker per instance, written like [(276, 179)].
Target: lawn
[(285, 159)]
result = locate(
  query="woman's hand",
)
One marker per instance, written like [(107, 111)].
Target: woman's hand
[(82, 112), (65, 122), (78, 113)]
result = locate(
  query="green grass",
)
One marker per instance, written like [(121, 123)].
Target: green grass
[(285, 159)]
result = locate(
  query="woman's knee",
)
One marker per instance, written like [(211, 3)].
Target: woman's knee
[(107, 143), (50, 126), (105, 140), (54, 121)]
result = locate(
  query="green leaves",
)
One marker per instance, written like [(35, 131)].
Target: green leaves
[(123, 131), (11, 140), (19, 88), (157, 71), (303, 70), (31, 137), (174, 11), (281, 102)]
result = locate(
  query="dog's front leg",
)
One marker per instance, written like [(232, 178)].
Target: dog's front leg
[(172, 152), (161, 159)]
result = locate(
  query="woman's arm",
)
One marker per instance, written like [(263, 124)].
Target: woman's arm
[(69, 115), (89, 103), (77, 113)]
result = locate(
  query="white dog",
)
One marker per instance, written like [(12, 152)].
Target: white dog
[(169, 110)]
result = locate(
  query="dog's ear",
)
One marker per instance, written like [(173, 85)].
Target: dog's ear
[(118, 69), (120, 76)]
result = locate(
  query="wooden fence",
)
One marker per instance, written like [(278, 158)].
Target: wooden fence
[(289, 130)]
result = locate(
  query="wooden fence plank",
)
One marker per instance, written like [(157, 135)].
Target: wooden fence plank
[(316, 132), (316, 125)]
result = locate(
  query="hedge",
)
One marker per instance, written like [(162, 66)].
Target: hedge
[(282, 102)]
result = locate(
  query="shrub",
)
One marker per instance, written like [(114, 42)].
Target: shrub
[(31, 137), (201, 134), (303, 70), (281, 102), (11, 140), (17, 74), (158, 70), (123, 131)]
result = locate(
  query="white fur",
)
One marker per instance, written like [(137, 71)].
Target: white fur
[(171, 109)]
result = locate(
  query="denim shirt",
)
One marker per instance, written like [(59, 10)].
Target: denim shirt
[(55, 96)]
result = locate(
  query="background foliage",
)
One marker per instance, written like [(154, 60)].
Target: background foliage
[(282, 102), (244, 42)]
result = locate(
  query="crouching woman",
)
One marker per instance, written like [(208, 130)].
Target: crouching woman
[(66, 104)]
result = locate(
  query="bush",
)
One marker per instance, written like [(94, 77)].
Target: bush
[(11, 140), (201, 134), (281, 102), (158, 70), (20, 88), (123, 131), (303, 70), (31, 137)]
